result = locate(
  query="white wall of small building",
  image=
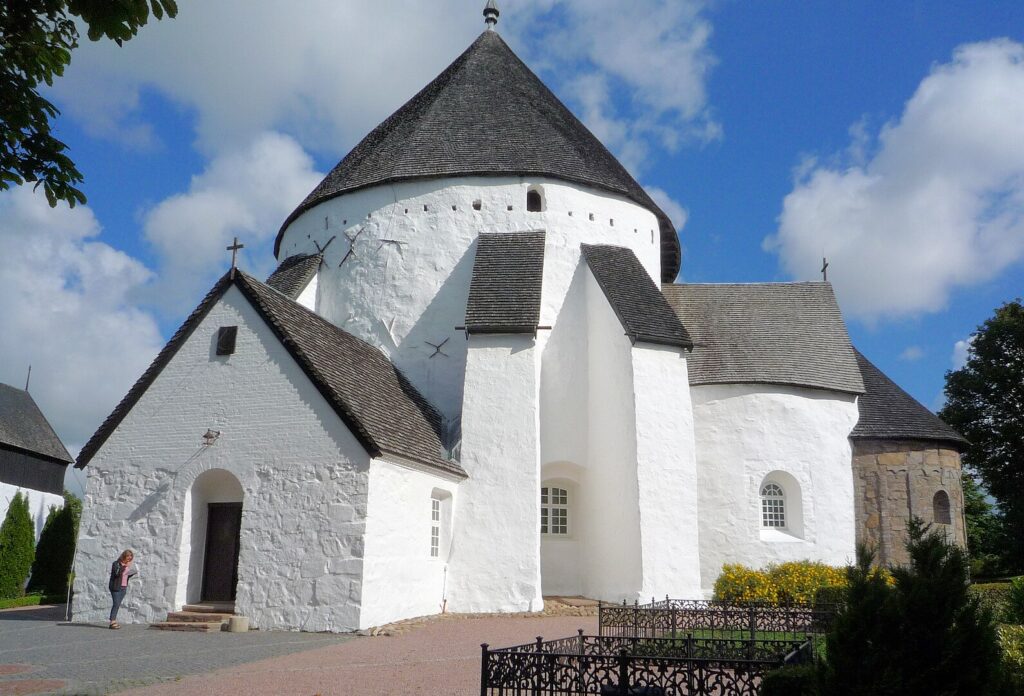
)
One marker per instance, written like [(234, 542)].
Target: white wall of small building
[(744, 433), (400, 577), (303, 475), (407, 282), (39, 503)]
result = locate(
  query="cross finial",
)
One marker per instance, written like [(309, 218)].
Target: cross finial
[(234, 255), (491, 14), (824, 269)]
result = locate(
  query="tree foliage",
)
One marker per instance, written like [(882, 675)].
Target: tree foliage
[(55, 551), (924, 635), (36, 40), (985, 402), (17, 547)]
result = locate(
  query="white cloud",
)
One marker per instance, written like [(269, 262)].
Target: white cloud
[(68, 311), (245, 193), (675, 211), (912, 353), (961, 351), (935, 204), (329, 73)]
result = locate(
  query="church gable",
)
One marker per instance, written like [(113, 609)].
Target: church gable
[(376, 403)]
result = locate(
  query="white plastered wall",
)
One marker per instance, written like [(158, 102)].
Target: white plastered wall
[(307, 298), (39, 503), (745, 432), (400, 577), (303, 475), (406, 283), (495, 558), (666, 472)]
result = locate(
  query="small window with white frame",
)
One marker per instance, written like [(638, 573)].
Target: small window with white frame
[(435, 527), (554, 511), (773, 506)]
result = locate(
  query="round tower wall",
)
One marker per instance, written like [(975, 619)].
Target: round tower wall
[(399, 258)]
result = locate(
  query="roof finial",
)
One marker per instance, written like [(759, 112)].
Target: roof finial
[(491, 14)]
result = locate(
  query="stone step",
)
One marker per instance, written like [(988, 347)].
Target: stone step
[(211, 607), (195, 626), (198, 616)]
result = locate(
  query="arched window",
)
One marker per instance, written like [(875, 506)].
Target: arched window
[(534, 201), (554, 511), (940, 508), (773, 506)]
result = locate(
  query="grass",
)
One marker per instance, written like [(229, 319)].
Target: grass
[(32, 600)]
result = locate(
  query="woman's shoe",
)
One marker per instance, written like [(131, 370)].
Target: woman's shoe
[(115, 625)]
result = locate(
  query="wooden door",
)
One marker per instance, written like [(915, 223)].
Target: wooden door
[(220, 566)]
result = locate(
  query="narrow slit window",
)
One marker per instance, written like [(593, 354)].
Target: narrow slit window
[(534, 202), (435, 527), (940, 508)]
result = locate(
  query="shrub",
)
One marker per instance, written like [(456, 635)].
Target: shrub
[(994, 596), (1015, 601), (17, 547), (797, 680), (1011, 640), (925, 635), (799, 581), (56, 549), (739, 584)]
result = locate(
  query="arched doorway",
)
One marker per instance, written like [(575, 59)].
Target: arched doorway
[(211, 536)]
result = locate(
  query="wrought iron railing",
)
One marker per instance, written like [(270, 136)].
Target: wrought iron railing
[(623, 666), (711, 619)]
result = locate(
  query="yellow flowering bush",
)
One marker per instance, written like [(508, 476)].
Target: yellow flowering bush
[(792, 582), (741, 585), (799, 581), (1011, 639)]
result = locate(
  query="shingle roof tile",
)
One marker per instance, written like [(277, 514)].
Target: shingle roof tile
[(887, 412), (24, 427), (768, 333), (505, 289), (294, 273), (486, 114), (641, 308)]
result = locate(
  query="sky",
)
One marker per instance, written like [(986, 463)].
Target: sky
[(887, 137)]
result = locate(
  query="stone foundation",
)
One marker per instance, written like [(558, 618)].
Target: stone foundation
[(897, 479)]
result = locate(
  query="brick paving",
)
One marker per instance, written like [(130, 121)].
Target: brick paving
[(439, 655)]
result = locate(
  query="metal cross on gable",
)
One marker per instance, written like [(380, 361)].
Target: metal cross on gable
[(824, 269), (234, 254), (437, 348)]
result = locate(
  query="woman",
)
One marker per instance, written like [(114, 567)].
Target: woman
[(122, 569)]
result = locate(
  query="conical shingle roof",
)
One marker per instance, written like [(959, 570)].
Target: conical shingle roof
[(487, 114), (889, 413)]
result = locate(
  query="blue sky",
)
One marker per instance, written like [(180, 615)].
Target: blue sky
[(888, 136)]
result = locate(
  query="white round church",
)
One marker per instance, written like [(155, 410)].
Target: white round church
[(472, 383)]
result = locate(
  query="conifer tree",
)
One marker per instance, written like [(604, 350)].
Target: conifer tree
[(56, 549), (17, 547), (924, 635)]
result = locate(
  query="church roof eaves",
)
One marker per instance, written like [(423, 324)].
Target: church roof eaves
[(486, 114), (24, 428), (641, 308), (376, 402), (766, 333), (293, 274), (505, 288), (887, 412)]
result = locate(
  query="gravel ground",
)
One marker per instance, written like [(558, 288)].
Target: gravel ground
[(429, 657)]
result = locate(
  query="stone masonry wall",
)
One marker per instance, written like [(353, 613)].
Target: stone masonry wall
[(897, 479)]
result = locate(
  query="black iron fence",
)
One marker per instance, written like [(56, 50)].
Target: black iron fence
[(711, 619), (636, 666)]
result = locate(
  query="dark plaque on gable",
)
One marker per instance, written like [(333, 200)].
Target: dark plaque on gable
[(226, 340)]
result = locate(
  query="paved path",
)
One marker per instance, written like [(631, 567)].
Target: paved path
[(39, 653), (440, 658)]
